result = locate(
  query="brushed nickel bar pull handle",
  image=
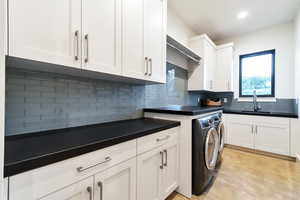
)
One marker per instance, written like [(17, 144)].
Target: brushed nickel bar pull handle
[(162, 139), (76, 49), (162, 160), (256, 129), (146, 61), (150, 61), (89, 189), (166, 161), (252, 128), (100, 185), (81, 169), (86, 37)]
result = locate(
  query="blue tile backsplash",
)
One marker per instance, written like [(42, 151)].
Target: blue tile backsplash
[(38, 101)]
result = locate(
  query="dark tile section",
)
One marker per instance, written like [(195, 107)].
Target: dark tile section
[(40, 101), (174, 92), (279, 108), (288, 106), (29, 151), (184, 110)]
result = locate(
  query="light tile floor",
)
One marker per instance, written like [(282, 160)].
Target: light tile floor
[(248, 176)]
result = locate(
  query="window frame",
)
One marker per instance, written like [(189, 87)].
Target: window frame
[(273, 53)]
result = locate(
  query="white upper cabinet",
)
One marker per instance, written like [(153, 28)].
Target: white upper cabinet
[(47, 31), (133, 59), (201, 77), (155, 39), (224, 68), (209, 62), (101, 28), (214, 73), (144, 39), (118, 37)]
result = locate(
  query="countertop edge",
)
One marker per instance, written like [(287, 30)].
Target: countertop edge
[(189, 113), (284, 115), (192, 113), (15, 168)]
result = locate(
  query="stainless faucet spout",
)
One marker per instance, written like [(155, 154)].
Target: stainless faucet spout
[(256, 106)]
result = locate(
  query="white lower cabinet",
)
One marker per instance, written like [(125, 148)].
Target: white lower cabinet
[(103, 185), (83, 190), (270, 134), (158, 172), (170, 170), (273, 138), (240, 134), (116, 183), (149, 180)]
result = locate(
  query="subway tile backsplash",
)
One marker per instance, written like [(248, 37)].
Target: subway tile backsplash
[(37, 101)]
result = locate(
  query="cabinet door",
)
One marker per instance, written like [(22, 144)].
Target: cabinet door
[(46, 31), (209, 65), (155, 38), (133, 59), (170, 171), (149, 176), (82, 190), (240, 134), (116, 183), (272, 138), (102, 35), (224, 68)]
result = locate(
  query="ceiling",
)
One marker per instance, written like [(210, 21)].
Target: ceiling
[(218, 18)]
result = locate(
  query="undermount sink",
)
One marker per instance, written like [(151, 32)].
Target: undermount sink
[(259, 111)]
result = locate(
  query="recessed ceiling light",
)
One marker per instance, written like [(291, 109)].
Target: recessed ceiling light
[(242, 15)]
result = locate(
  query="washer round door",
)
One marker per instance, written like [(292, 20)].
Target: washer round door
[(211, 148), (221, 132)]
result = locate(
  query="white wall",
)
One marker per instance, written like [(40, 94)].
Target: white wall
[(295, 125), (279, 37), (178, 30), (297, 55), (2, 92)]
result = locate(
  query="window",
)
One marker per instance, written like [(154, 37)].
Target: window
[(257, 73)]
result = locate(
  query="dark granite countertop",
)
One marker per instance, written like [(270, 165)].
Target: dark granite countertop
[(29, 151), (260, 113), (198, 110), (184, 110)]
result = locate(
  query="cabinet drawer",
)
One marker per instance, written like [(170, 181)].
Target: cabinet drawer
[(155, 140), (275, 121), (42, 181)]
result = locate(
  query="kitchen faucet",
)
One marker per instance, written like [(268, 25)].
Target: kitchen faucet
[(256, 106)]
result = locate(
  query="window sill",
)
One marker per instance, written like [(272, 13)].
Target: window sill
[(259, 99)]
